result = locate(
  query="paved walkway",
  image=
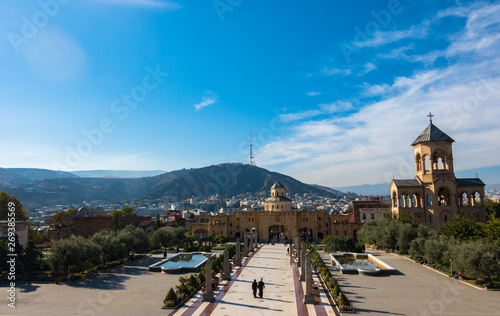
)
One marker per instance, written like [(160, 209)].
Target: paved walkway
[(283, 293), (414, 290), (128, 290)]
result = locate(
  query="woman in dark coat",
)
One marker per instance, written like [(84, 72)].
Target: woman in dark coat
[(254, 288)]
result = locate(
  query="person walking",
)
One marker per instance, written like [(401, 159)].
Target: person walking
[(288, 251), (261, 288), (254, 288)]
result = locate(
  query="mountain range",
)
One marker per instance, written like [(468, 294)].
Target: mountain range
[(225, 180)]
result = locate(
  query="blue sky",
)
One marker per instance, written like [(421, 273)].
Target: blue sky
[(333, 92)]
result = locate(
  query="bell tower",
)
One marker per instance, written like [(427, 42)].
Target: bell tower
[(433, 153)]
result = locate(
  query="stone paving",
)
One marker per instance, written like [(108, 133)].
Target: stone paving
[(128, 290), (133, 290), (283, 293), (414, 290)]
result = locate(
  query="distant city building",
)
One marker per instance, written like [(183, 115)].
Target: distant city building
[(373, 208), (435, 195), (21, 232)]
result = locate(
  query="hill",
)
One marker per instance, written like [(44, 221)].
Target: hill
[(12, 177), (231, 179), (117, 173), (225, 180)]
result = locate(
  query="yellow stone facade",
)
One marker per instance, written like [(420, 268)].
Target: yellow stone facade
[(436, 196), (273, 223)]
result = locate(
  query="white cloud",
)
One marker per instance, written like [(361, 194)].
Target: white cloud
[(373, 143), (381, 38), (368, 67), (313, 93), (209, 99), (336, 107), (331, 71), (290, 117)]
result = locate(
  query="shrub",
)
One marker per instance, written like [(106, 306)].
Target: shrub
[(192, 249), (170, 299), (75, 277), (332, 283), (326, 279), (360, 247), (201, 277), (336, 290), (192, 283), (183, 291), (206, 249)]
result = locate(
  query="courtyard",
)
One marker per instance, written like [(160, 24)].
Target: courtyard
[(133, 290)]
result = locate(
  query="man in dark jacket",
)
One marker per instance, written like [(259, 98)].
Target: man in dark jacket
[(261, 288), (254, 288)]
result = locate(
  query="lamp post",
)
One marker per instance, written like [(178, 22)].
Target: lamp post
[(451, 266)]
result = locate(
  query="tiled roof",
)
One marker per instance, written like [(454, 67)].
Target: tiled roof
[(432, 133), (469, 181), (406, 182), (278, 185), (277, 199)]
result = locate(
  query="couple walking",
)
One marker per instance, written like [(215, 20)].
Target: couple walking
[(259, 286)]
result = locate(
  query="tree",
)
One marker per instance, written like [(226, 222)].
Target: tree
[(76, 252), (135, 239), (125, 211), (7, 202), (493, 208), (63, 218), (112, 248), (462, 227), (221, 239), (160, 238), (491, 230), (407, 233)]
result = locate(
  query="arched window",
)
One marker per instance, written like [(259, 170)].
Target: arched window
[(445, 218), (477, 199), (418, 162), (427, 164), (443, 196)]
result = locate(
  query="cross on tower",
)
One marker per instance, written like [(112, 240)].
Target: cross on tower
[(430, 116)]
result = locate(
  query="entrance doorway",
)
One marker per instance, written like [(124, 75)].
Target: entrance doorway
[(277, 232)]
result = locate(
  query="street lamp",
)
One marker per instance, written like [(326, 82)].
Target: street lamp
[(451, 266)]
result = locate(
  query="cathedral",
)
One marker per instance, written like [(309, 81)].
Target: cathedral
[(277, 221), (435, 195)]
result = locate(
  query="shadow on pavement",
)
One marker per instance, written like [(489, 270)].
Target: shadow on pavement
[(361, 310), (250, 306), (27, 287)]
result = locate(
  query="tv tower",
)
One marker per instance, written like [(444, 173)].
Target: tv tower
[(252, 159)]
